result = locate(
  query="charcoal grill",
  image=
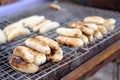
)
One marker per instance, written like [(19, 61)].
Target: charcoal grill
[(73, 57)]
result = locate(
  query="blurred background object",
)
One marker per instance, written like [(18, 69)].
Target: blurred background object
[(8, 7), (4, 2)]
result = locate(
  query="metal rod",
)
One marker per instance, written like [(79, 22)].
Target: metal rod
[(117, 69)]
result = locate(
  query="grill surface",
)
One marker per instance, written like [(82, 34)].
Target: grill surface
[(72, 57)]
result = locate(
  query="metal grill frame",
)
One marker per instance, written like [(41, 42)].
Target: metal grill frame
[(73, 57)]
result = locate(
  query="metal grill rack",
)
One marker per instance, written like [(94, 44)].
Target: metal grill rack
[(72, 57)]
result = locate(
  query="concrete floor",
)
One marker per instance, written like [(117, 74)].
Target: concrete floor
[(106, 73)]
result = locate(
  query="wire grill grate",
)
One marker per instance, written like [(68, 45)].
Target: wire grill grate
[(72, 56)]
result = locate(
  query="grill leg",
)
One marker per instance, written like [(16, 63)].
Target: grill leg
[(116, 69)]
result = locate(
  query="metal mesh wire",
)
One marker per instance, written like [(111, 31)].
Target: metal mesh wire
[(70, 12)]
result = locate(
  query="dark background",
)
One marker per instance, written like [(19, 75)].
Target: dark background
[(104, 4)]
